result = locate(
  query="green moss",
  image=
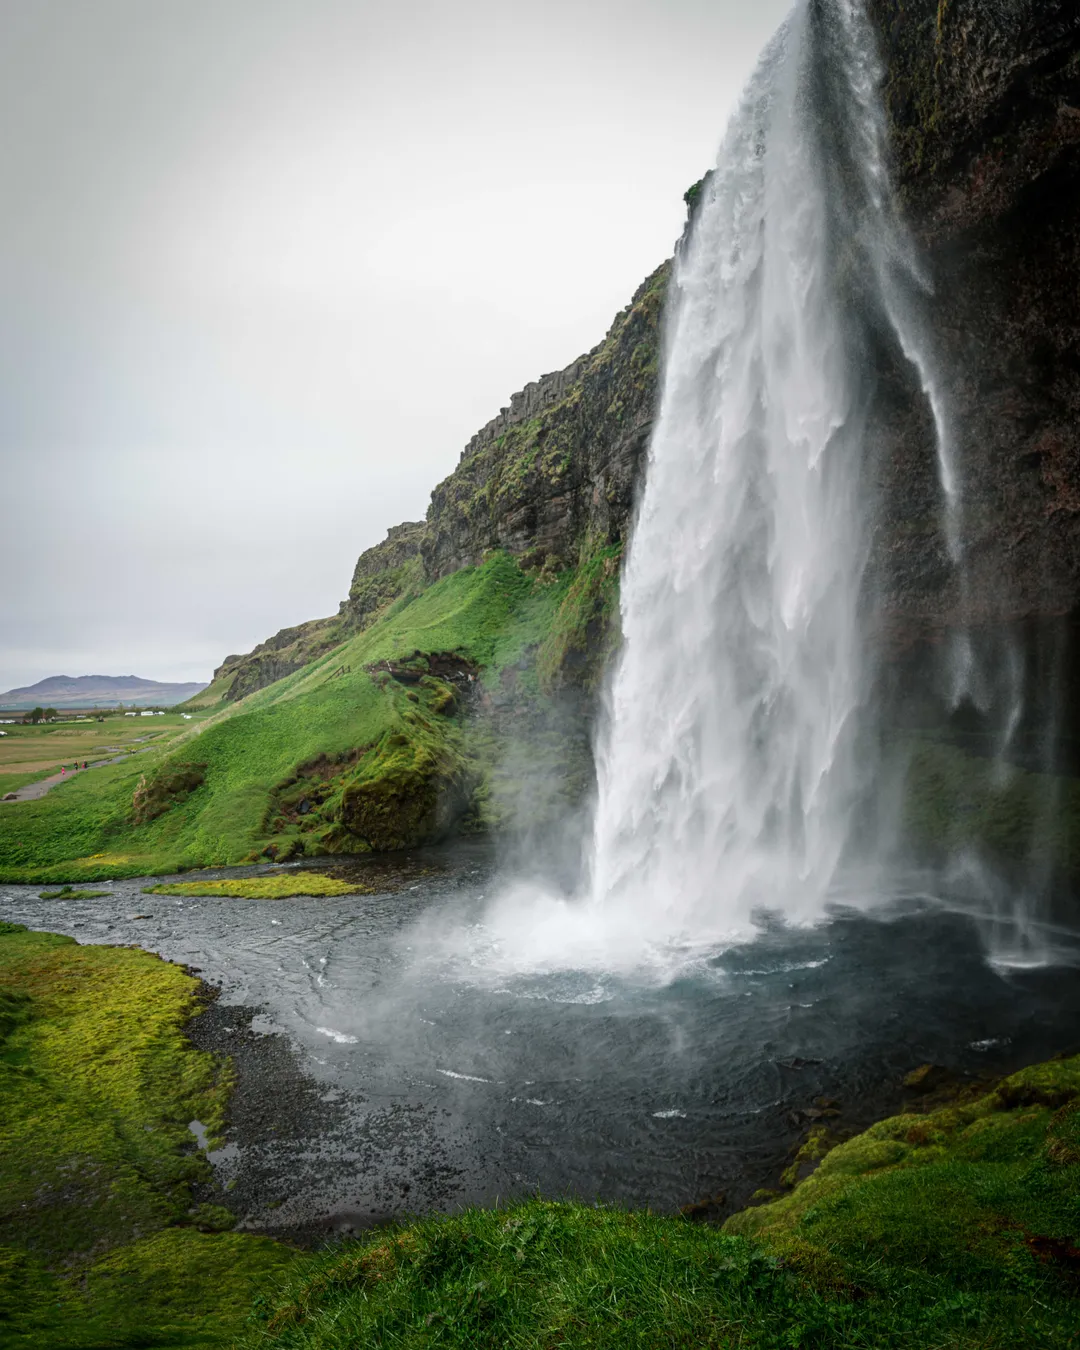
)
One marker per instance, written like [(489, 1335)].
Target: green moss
[(584, 630), (692, 195), (412, 788), (99, 1240), (281, 886), (370, 594), (964, 1203), (164, 789)]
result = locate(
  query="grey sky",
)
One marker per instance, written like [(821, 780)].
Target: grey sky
[(266, 265)]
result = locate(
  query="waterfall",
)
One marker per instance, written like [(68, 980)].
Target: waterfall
[(737, 760), (729, 765)]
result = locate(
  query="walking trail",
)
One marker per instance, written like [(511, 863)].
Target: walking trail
[(32, 791)]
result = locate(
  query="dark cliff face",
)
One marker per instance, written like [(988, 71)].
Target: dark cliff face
[(384, 573), (983, 100)]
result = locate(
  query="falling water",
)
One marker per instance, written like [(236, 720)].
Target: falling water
[(736, 763), (729, 767)]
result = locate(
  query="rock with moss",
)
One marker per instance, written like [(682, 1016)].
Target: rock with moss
[(977, 1195), (278, 656), (385, 573), (158, 792), (408, 790), (557, 470)]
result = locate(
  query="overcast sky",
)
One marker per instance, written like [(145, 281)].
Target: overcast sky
[(266, 265)]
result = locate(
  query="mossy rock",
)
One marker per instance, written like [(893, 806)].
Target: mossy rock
[(171, 784), (410, 793), (977, 1191), (280, 886)]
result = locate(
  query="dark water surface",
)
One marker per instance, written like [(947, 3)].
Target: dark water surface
[(417, 1081)]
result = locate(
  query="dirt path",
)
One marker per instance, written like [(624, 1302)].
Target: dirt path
[(32, 791)]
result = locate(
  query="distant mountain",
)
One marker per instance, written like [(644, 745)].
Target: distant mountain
[(98, 691)]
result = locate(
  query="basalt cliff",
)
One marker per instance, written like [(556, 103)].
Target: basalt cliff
[(983, 101)]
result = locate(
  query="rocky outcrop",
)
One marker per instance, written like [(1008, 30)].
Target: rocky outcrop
[(285, 652), (984, 104), (983, 100), (384, 573), (558, 468)]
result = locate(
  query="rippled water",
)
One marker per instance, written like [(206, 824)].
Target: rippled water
[(444, 1078)]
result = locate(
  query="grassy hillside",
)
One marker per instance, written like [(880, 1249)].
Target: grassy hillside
[(397, 736), (101, 1244)]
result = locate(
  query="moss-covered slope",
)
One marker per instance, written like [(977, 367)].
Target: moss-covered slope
[(101, 1244)]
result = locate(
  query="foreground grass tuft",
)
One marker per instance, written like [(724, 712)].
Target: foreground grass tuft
[(957, 1229), (281, 886), (100, 1242)]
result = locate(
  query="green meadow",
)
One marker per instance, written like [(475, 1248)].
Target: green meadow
[(30, 753)]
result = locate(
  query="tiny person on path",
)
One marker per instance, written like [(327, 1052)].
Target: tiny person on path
[(63, 770), (85, 764)]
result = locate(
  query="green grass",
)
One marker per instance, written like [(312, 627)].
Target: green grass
[(212, 698), (101, 1244), (585, 629), (956, 1229), (222, 791), (280, 887), (12, 782)]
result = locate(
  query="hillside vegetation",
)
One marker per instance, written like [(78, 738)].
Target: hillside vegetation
[(406, 731)]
